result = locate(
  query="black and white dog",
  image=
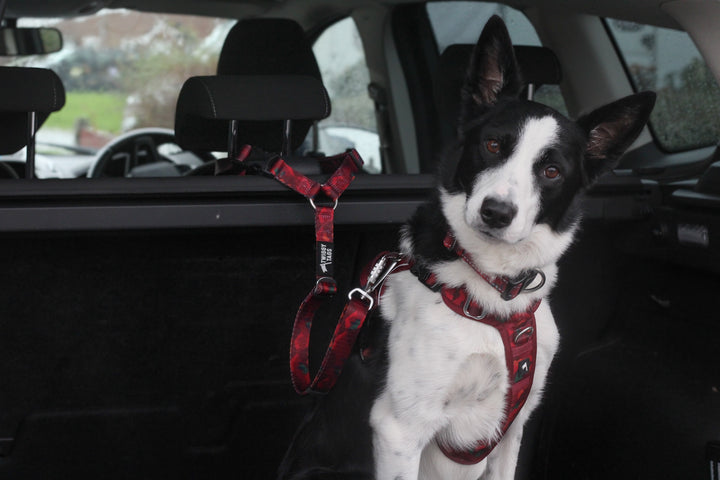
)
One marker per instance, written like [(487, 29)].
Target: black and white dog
[(509, 194)]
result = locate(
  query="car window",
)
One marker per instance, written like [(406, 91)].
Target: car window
[(462, 21), (340, 56), (687, 111), (121, 70)]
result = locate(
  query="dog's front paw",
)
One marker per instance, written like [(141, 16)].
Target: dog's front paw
[(474, 402), (479, 377)]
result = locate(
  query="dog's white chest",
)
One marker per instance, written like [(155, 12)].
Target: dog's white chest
[(447, 381)]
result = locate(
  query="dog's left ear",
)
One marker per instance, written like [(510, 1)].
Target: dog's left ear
[(611, 129), (493, 69)]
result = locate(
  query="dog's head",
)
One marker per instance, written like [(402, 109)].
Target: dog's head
[(519, 166)]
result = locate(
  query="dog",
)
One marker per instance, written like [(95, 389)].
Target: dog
[(507, 206)]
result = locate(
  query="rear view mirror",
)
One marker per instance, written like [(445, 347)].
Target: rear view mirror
[(29, 41)]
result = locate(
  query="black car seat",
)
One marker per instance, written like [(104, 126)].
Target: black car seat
[(538, 65), (267, 74), (27, 97)]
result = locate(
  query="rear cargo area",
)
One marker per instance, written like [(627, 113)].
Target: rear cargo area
[(164, 354)]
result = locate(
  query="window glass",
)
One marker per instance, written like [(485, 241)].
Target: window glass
[(341, 58), (462, 21), (123, 70), (687, 111)]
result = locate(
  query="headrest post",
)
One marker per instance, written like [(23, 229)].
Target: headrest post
[(287, 138), (30, 149), (232, 139), (530, 91)]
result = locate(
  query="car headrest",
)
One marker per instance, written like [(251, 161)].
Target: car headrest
[(24, 90), (267, 46), (206, 104), (262, 46), (538, 66)]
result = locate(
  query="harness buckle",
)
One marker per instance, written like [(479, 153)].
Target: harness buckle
[(515, 287), (363, 295)]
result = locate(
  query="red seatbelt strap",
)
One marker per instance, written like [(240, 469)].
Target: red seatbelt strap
[(352, 318), (360, 302), (347, 164)]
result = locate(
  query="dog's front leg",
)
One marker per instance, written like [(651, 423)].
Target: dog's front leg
[(398, 440), (503, 459)]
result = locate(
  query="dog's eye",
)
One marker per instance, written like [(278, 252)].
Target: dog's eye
[(551, 172), (492, 146)]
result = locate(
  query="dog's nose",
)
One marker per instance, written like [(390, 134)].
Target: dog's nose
[(496, 213)]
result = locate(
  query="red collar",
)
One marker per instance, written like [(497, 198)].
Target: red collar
[(509, 288)]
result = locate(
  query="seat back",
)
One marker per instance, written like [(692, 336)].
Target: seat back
[(27, 97), (263, 48), (538, 66)]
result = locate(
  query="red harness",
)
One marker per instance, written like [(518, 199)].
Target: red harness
[(517, 332)]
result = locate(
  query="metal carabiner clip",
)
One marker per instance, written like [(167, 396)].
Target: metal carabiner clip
[(381, 270)]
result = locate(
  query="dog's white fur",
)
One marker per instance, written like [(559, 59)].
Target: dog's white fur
[(447, 377)]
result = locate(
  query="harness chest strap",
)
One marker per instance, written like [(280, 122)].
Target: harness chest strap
[(519, 339), (520, 345)]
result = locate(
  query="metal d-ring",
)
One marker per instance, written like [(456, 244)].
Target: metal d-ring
[(312, 203), (538, 286), (525, 331), (470, 315)]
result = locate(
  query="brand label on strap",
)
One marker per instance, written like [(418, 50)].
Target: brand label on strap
[(325, 255)]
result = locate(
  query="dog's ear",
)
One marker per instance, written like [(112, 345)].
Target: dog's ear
[(611, 129), (493, 69)]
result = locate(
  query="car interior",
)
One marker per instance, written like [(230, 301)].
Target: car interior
[(150, 290)]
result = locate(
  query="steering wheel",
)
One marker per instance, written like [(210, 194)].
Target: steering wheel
[(139, 148), (6, 171)]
